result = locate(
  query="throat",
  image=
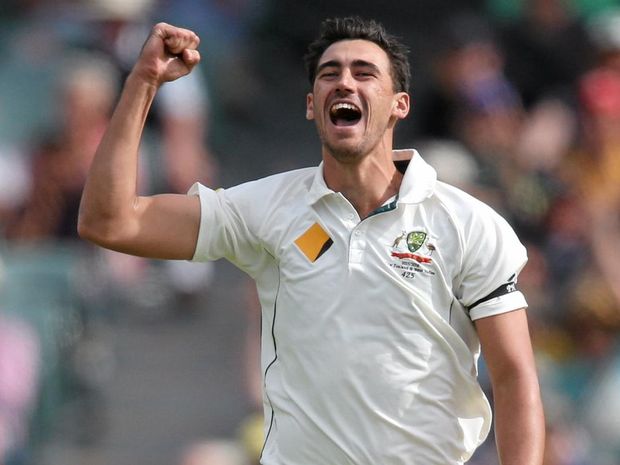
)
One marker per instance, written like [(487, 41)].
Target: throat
[(368, 197), (367, 181)]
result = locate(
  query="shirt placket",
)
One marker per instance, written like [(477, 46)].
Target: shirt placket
[(356, 232)]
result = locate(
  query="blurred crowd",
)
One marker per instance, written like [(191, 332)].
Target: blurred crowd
[(516, 102)]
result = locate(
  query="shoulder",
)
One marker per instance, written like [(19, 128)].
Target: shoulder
[(464, 208), (476, 223), (259, 201), (282, 184), (257, 198)]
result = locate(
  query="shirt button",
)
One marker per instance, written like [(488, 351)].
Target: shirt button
[(358, 232)]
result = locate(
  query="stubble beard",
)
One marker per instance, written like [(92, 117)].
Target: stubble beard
[(343, 151), (348, 152), (345, 154)]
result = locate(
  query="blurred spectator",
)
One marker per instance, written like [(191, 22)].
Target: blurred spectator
[(19, 384), (226, 29), (546, 136), (61, 160), (580, 383), (14, 179), (472, 100), (566, 249), (215, 452), (547, 48), (454, 164), (578, 349), (30, 54), (102, 38), (475, 104), (177, 137), (467, 57), (604, 31), (118, 29), (19, 372), (593, 170), (517, 149)]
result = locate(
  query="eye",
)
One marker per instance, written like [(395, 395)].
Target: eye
[(328, 74), (365, 74)]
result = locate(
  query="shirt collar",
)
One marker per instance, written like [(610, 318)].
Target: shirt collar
[(419, 180), (417, 185), (318, 188)]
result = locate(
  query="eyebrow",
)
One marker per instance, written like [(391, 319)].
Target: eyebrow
[(356, 64)]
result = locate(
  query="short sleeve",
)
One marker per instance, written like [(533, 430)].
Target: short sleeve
[(224, 231), (493, 256)]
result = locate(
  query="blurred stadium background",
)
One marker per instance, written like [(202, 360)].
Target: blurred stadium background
[(108, 359)]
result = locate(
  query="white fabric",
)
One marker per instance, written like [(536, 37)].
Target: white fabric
[(369, 354)]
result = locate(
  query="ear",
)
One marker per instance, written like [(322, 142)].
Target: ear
[(401, 105), (310, 106)]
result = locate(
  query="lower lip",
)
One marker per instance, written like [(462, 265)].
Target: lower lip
[(344, 130), (345, 126)]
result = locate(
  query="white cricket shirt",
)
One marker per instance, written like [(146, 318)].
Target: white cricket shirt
[(368, 348)]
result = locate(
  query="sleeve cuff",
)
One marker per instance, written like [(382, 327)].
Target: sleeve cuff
[(502, 304)]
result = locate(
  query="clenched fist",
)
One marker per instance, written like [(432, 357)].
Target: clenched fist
[(169, 53)]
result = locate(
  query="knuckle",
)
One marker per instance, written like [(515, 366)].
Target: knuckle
[(160, 27)]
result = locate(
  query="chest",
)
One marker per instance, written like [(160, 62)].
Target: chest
[(332, 264)]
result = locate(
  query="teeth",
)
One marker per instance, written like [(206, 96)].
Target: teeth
[(343, 106)]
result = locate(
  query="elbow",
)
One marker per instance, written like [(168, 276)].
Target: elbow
[(90, 230), (98, 230), (86, 229)]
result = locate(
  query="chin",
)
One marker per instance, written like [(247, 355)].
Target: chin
[(350, 150), (347, 146), (346, 153)]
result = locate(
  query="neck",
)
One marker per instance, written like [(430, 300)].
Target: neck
[(367, 183)]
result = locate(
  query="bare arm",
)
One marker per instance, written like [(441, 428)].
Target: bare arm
[(519, 418), (112, 214)]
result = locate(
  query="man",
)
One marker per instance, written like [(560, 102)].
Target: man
[(370, 344)]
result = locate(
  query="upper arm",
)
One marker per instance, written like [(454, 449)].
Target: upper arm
[(168, 226), (161, 226), (506, 347)]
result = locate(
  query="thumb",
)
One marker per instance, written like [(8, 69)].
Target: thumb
[(191, 57)]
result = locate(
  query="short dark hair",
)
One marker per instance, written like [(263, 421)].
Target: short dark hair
[(351, 28)]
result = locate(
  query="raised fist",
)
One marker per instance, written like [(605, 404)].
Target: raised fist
[(169, 53)]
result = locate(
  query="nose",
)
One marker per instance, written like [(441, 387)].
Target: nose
[(346, 81)]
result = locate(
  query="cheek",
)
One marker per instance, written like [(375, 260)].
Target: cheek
[(382, 109), (381, 100)]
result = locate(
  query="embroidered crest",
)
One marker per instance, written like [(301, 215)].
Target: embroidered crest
[(412, 250), (415, 240)]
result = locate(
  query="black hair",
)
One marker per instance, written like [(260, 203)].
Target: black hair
[(351, 28)]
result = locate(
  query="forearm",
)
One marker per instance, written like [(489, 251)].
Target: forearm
[(110, 194), (519, 419), (519, 422)]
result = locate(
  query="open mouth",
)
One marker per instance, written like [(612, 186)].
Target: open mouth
[(345, 114)]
